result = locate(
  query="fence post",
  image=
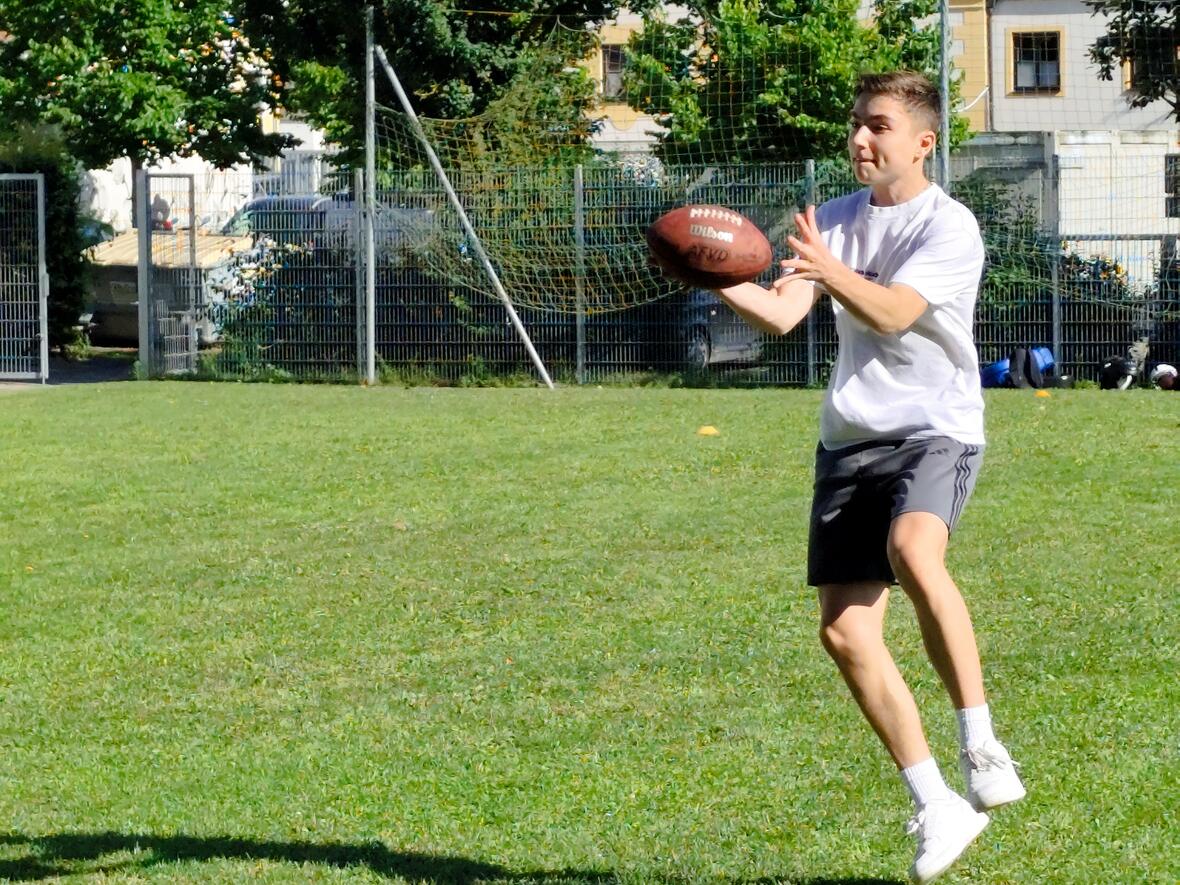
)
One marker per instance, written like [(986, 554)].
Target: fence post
[(42, 283), (809, 199), (358, 269), (1055, 294), (580, 270), (195, 306), (370, 202), (143, 217), (944, 88)]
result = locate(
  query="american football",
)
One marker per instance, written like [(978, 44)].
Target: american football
[(708, 246)]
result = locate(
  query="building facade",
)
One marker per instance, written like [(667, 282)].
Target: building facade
[(1112, 171), (1103, 175)]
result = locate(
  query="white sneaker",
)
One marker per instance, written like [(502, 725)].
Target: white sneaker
[(990, 775), (944, 827)]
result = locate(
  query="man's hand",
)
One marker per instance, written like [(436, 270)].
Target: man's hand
[(885, 310), (814, 260)]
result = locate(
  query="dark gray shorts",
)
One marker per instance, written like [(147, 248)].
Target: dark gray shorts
[(861, 488)]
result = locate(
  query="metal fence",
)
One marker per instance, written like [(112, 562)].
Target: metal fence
[(274, 276), (24, 285)]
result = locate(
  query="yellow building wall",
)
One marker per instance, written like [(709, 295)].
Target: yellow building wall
[(620, 114), (969, 37)]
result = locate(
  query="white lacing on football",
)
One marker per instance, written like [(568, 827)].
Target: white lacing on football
[(720, 214)]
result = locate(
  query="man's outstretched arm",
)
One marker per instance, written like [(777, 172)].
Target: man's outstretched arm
[(775, 311)]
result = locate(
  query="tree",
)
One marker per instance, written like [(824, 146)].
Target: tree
[(137, 78), (771, 80), (1144, 34), (453, 63)]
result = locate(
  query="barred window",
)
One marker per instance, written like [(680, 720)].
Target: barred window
[(1036, 60), (1156, 59), (612, 71)]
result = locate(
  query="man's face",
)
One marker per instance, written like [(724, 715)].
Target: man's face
[(885, 140)]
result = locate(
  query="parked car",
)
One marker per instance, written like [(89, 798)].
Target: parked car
[(186, 268), (322, 222), (714, 333), (298, 283)]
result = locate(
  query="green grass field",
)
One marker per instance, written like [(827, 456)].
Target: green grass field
[(313, 633)]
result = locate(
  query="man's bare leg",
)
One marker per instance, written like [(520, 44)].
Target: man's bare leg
[(852, 630), (852, 618), (917, 551), (917, 547)]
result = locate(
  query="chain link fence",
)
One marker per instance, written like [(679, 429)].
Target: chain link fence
[(24, 286), (285, 295)]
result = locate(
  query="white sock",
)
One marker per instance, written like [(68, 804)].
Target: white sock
[(925, 783), (975, 726)]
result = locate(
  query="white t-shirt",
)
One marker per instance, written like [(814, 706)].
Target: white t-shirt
[(923, 381)]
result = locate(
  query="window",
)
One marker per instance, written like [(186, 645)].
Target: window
[(1156, 59), (1172, 184), (612, 71), (1036, 61)]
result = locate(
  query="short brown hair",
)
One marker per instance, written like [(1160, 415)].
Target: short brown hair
[(914, 90)]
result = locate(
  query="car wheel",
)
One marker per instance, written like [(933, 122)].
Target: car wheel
[(697, 356)]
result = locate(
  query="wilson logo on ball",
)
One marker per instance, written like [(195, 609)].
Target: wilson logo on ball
[(705, 230)]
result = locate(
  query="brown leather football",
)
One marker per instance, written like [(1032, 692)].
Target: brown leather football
[(708, 246)]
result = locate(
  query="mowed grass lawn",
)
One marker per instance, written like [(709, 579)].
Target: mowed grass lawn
[(291, 634)]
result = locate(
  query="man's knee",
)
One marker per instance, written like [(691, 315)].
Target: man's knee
[(850, 644), (847, 640), (836, 642), (909, 558), (851, 619)]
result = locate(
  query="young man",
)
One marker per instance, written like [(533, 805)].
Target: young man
[(901, 441)]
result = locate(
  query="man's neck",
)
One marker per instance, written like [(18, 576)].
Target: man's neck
[(899, 191)]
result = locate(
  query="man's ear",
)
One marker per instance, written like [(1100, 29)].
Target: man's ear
[(926, 143)]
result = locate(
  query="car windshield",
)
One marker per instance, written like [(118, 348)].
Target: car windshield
[(277, 216)]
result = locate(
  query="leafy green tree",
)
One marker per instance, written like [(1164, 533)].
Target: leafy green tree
[(1145, 34), (137, 78), (771, 80), (455, 64)]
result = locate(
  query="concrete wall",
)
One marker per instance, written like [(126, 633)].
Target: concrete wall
[(1100, 191), (1111, 183)]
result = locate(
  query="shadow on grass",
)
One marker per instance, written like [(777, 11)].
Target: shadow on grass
[(67, 854)]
